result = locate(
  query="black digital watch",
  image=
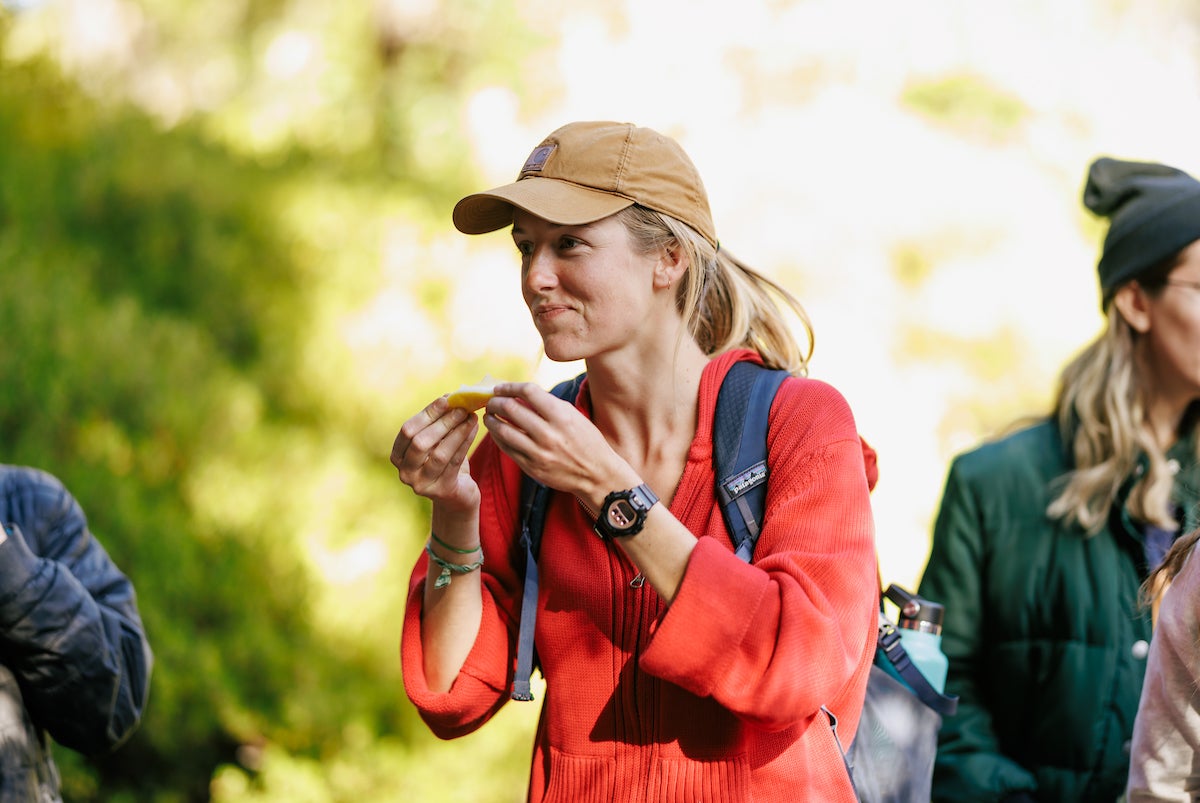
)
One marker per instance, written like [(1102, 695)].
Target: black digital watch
[(624, 512)]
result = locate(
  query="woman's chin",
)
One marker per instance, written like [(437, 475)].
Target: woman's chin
[(559, 349), (562, 355)]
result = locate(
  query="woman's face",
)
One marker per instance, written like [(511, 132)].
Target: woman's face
[(1172, 339), (587, 289)]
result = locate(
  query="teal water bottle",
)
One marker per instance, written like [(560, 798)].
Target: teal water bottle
[(920, 628)]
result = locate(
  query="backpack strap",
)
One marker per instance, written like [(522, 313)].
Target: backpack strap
[(534, 499), (892, 649), (740, 450)]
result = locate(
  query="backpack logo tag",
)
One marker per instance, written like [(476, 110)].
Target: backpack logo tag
[(739, 483)]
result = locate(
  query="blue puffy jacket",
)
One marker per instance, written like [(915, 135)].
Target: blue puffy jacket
[(74, 660)]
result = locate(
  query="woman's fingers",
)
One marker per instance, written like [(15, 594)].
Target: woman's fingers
[(524, 420), (412, 428), (432, 446), (547, 437)]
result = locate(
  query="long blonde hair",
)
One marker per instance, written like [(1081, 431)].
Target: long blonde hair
[(1100, 410), (725, 303)]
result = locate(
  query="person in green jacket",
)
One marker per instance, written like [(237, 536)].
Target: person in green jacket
[(1045, 535)]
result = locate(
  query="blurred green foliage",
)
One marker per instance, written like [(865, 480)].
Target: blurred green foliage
[(172, 298), (969, 105)]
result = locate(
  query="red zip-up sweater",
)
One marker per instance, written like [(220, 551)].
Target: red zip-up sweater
[(719, 697)]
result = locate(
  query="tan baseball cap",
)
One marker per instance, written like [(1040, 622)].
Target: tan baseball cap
[(589, 170)]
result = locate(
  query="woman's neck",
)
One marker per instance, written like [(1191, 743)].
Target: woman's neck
[(1163, 417), (639, 406)]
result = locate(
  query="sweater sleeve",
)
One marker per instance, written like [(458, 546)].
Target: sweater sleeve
[(776, 640), (970, 765), (482, 686), (69, 626)]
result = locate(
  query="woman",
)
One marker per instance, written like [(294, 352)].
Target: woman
[(673, 670), (1166, 733), (1044, 536)]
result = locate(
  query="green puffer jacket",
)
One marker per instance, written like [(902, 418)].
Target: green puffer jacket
[(1046, 640)]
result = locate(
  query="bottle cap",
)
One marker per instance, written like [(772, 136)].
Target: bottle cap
[(916, 613)]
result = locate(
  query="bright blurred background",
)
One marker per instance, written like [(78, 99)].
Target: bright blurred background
[(227, 275)]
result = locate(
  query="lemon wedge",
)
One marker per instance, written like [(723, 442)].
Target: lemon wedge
[(473, 397)]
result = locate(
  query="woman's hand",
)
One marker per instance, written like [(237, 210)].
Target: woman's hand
[(550, 440), (430, 454)]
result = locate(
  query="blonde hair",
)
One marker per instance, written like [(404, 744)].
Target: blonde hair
[(725, 303), (1100, 410)]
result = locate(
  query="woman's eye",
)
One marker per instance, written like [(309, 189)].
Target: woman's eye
[(525, 248), (567, 243)]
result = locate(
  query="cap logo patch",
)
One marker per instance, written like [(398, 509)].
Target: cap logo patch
[(537, 160)]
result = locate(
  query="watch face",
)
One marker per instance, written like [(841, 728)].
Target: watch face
[(624, 512), (621, 514)]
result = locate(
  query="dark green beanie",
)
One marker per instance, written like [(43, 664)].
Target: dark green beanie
[(1153, 212)]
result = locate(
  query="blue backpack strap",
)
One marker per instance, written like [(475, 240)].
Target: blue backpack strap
[(534, 499), (740, 450)]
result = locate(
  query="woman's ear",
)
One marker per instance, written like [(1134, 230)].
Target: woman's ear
[(1133, 303), (672, 265)]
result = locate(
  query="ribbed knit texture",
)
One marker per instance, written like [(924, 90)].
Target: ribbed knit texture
[(717, 699)]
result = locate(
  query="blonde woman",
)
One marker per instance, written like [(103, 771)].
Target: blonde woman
[(1044, 536), (674, 671)]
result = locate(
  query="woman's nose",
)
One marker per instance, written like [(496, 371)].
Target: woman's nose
[(541, 270)]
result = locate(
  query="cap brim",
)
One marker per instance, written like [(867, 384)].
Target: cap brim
[(550, 199)]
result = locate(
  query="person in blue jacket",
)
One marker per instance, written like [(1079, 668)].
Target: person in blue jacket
[(74, 659), (1045, 535)]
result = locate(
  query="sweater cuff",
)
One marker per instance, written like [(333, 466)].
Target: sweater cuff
[(480, 687)]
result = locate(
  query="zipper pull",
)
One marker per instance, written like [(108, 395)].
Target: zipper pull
[(638, 581)]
